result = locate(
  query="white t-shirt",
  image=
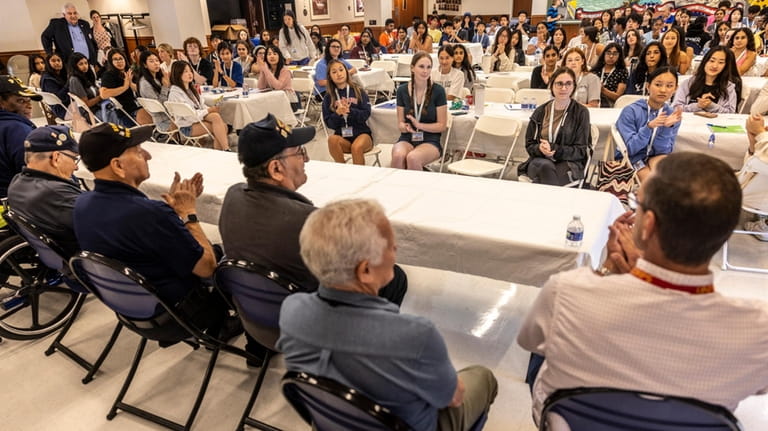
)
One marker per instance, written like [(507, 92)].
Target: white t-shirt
[(453, 82)]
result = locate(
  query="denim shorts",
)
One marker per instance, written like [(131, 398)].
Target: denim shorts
[(186, 131)]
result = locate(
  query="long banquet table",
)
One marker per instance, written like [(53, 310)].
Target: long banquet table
[(692, 136), (499, 229)]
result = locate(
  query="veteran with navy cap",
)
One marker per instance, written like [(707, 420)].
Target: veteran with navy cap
[(45, 191), (261, 219), (161, 240), (15, 112)]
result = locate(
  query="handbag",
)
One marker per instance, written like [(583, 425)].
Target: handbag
[(616, 177)]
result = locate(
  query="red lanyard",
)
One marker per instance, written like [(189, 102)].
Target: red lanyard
[(694, 290)]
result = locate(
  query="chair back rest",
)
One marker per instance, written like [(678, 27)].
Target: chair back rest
[(18, 66), (404, 65), (605, 409), (501, 81), (626, 99), (298, 73), (303, 85), (521, 83), (498, 125), (357, 63), (151, 105), (179, 110), (48, 251), (618, 140), (388, 66), (499, 95), (595, 133), (80, 103), (251, 82), (541, 95), (51, 99), (329, 405), (519, 68), (119, 287)]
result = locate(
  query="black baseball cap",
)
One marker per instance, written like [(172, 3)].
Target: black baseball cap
[(13, 85), (50, 138), (102, 143), (261, 140)]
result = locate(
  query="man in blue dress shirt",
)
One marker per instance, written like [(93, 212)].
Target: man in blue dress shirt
[(68, 35)]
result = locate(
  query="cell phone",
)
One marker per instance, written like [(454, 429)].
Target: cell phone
[(455, 113), (705, 114)]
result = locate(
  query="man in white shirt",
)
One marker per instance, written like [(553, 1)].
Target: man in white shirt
[(650, 319)]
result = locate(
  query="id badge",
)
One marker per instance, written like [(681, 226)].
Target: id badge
[(417, 136), (639, 165), (346, 132)]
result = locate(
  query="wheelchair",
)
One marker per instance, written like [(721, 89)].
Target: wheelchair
[(34, 301)]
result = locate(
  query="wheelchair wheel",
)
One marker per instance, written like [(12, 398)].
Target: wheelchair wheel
[(33, 300)]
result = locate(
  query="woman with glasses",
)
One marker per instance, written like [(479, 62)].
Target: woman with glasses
[(710, 89), (649, 126), (652, 57), (558, 135), (321, 68), (346, 109), (613, 74), (117, 82), (588, 87), (421, 117), (504, 52), (183, 91), (541, 74)]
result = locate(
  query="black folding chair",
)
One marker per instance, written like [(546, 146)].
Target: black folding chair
[(328, 405), (606, 409), (137, 305), (54, 257), (258, 294)]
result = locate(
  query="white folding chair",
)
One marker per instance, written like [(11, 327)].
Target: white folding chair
[(388, 66), (155, 108), (745, 93), (521, 83), (251, 82), (500, 127), (403, 73), (18, 66), (499, 95), (119, 107), (306, 87), (50, 100), (595, 135), (180, 111), (501, 81), (357, 63), (541, 95), (438, 164), (298, 73), (94, 120), (626, 99), (374, 152)]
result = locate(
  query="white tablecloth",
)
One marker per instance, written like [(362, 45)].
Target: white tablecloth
[(376, 80), (692, 136), (237, 110), (499, 229)]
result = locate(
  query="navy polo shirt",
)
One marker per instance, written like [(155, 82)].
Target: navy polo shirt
[(122, 223), (363, 341)]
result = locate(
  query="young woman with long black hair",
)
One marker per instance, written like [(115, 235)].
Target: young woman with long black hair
[(346, 109), (710, 89)]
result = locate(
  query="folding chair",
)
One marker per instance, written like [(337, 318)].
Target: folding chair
[(388, 66), (50, 100), (53, 256), (501, 127), (357, 63), (155, 108), (607, 409), (328, 405), (119, 107), (137, 306), (541, 96), (499, 95), (374, 152), (627, 99), (521, 83), (306, 87), (594, 133), (403, 73), (257, 294), (501, 81), (80, 103), (180, 111)]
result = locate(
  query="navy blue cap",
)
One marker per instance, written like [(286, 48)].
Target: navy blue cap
[(261, 140), (50, 138)]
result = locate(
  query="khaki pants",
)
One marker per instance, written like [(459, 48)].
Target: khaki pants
[(480, 391)]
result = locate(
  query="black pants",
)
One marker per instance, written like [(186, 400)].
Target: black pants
[(394, 291), (545, 171)]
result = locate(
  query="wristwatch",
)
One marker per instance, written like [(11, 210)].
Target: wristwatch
[(191, 218)]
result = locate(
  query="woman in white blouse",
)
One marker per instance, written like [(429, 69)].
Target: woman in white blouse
[(183, 91)]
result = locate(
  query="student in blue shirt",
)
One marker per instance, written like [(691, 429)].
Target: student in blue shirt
[(227, 73), (333, 52), (480, 36)]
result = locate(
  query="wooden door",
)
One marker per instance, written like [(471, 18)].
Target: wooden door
[(405, 10)]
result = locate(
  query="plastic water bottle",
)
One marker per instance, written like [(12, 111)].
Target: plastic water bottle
[(575, 232), (532, 104), (526, 104), (711, 142)]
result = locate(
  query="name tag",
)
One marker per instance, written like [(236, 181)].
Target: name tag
[(417, 136), (346, 132), (639, 165)]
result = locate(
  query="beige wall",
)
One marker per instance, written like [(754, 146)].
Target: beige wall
[(339, 11), (489, 7)]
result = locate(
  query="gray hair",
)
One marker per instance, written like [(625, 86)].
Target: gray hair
[(337, 237), (68, 5), (29, 156)]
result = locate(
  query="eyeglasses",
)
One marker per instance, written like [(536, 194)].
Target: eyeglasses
[(560, 84), (611, 53), (633, 202), (302, 152), (75, 159)]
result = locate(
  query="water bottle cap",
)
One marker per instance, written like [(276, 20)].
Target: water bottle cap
[(577, 217)]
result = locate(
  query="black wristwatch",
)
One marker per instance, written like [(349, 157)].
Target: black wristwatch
[(191, 218)]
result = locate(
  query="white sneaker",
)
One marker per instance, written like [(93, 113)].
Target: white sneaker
[(758, 225)]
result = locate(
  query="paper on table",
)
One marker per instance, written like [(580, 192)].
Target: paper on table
[(513, 106), (714, 128)]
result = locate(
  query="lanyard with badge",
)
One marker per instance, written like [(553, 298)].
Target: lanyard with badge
[(640, 164), (418, 135), (346, 131), (553, 137)]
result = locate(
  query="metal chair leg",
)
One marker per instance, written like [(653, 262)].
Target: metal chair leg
[(100, 360), (246, 419)]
